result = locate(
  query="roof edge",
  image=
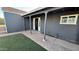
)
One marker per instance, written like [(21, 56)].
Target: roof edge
[(13, 10), (37, 9)]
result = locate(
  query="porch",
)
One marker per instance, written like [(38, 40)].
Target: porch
[(52, 44)]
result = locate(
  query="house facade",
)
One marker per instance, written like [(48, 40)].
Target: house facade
[(58, 22)]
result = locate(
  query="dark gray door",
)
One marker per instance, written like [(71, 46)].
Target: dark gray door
[(36, 24)]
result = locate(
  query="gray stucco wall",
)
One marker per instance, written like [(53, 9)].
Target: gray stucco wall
[(14, 22), (26, 23), (63, 31), (77, 31)]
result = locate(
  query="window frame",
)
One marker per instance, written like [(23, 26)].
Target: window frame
[(74, 23)]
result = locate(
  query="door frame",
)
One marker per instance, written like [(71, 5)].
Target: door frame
[(39, 23)]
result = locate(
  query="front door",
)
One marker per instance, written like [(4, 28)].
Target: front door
[(36, 24)]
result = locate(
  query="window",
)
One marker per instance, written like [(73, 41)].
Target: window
[(69, 19), (72, 19), (64, 19)]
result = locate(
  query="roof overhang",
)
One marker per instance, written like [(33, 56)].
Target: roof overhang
[(37, 9), (13, 10), (43, 11)]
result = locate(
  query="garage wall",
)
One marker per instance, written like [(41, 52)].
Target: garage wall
[(14, 22)]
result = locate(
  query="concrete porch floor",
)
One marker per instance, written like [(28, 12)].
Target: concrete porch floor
[(52, 44)]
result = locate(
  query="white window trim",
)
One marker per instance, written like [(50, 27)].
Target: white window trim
[(33, 23), (68, 18), (39, 28)]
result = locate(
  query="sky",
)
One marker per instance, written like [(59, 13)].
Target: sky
[(1, 13)]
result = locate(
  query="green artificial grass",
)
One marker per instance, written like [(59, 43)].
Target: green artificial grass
[(19, 42)]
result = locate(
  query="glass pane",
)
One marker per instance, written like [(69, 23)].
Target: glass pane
[(71, 19), (64, 20)]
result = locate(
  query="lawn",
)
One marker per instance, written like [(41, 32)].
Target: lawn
[(19, 42)]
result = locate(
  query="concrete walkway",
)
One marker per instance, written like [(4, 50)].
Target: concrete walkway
[(7, 34), (52, 44)]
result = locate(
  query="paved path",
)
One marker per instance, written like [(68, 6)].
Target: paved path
[(7, 34), (52, 44)]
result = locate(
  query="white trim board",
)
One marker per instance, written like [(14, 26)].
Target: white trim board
[(39, 23)]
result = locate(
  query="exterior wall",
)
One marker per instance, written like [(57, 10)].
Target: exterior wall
[(14, 22), (77, 31), (63, 31), (26, 23)]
